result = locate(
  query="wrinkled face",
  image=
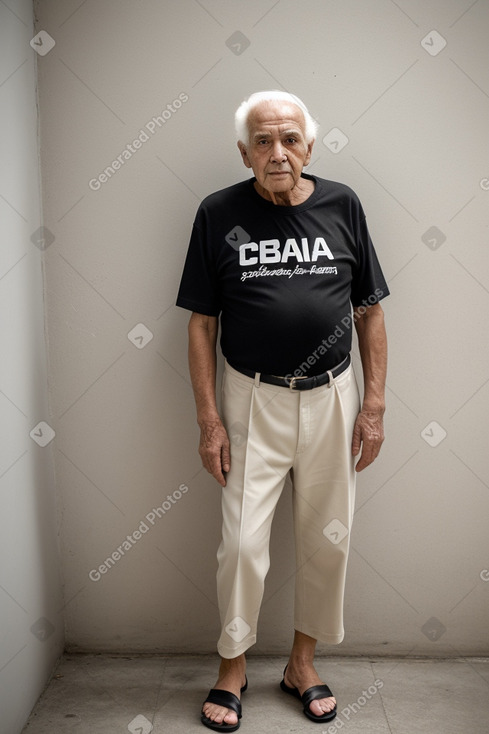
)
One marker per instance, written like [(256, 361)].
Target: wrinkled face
[(277, 150)]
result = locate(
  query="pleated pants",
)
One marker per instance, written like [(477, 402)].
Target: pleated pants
[(274, 431)]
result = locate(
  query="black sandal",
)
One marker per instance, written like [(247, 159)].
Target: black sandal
[(311, 694), (227, 699)]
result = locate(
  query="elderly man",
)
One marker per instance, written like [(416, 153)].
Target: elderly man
[(286, 261)]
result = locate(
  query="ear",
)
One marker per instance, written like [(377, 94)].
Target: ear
[(309, 152), (244, 154)]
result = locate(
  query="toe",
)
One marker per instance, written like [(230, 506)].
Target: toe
[(231, 717), (219, 714), (211, 712), (322, 706)]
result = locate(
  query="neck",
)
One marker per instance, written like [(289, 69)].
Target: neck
[(294, 196)]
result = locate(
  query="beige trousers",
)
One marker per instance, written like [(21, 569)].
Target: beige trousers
[(274, 431)]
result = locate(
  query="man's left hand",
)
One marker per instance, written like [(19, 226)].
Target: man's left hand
[(368, 434)]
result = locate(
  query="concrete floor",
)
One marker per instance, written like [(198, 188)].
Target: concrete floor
[(105, 694)]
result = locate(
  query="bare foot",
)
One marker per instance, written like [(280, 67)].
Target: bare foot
[(232, 677), (302, 675)]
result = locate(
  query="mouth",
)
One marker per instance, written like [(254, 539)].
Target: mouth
[(279, 173)]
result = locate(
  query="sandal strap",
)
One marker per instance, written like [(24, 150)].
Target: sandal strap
[(224, 698), (315, 693)]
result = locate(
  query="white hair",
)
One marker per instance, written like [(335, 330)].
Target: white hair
[(242, 113)]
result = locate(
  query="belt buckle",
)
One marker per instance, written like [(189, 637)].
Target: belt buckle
[(293, 382)]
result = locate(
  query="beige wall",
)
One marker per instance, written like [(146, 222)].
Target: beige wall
[(31, 604), (416, 117)]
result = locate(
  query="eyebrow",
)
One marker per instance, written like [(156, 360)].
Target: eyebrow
[(292, 131)]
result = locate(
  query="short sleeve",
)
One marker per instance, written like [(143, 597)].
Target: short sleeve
[(199, 289), (368, 284)]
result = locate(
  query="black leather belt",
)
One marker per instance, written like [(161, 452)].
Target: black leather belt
[(298, 383)]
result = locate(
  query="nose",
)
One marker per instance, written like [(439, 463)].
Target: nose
[(278, 153)]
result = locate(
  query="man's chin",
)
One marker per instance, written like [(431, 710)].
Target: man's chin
[(279, 179)]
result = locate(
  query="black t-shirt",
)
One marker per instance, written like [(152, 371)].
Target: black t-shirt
[(282, 278)]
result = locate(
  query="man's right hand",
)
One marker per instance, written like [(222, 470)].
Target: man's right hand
[(214, 449)]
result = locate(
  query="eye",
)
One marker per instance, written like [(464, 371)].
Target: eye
[(291, 141)]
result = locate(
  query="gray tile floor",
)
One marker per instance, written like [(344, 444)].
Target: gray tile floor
[(108, 694)]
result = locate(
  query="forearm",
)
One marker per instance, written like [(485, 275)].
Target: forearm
[(202, 332), (372, 342), (214, 441)]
